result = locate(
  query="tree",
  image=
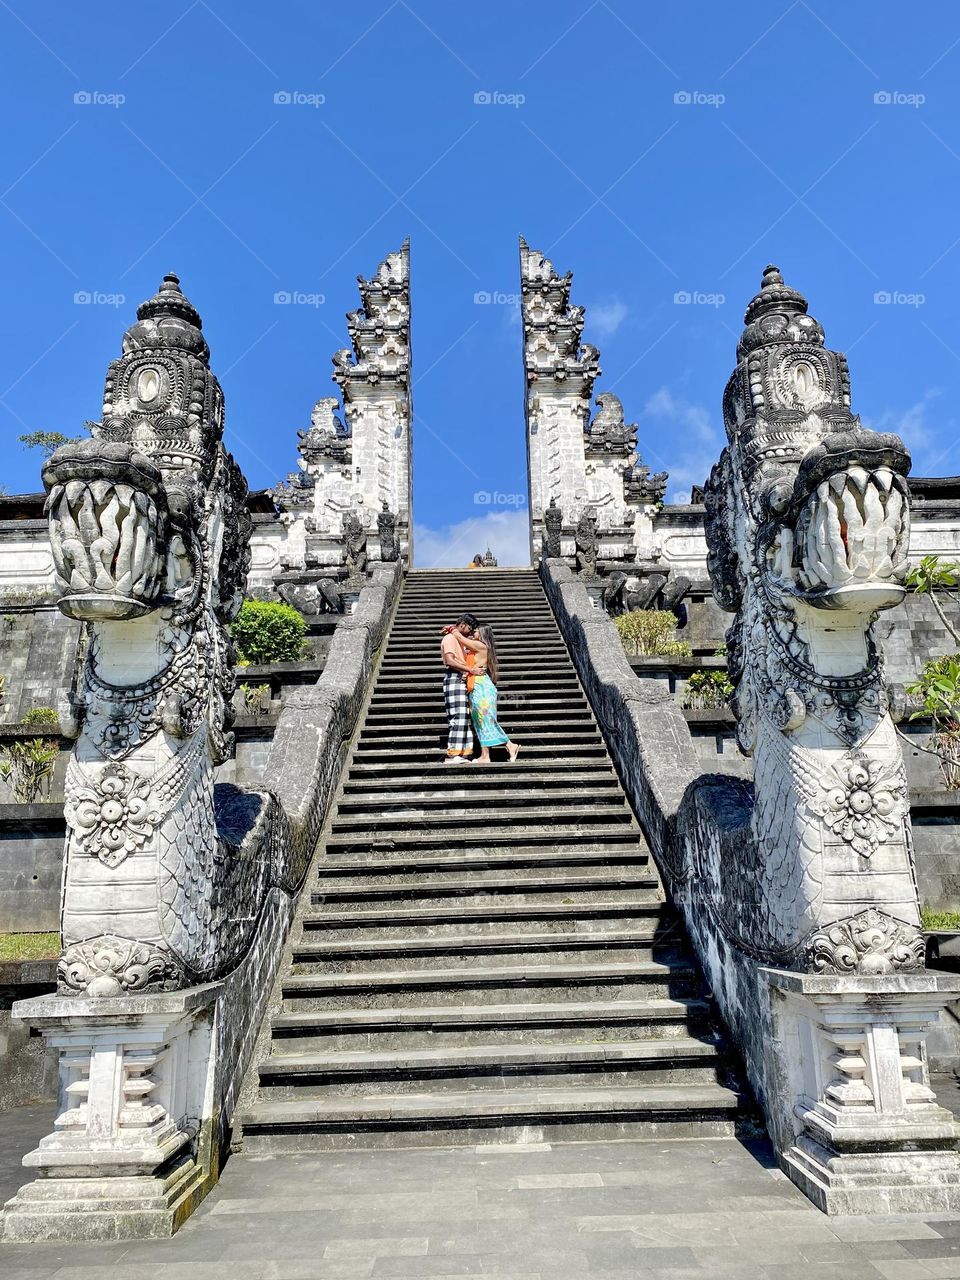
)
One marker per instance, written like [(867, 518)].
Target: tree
[(932, 576), (47, 441)]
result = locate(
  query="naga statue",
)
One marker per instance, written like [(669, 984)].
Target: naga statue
[(150, 531), (807, 518)]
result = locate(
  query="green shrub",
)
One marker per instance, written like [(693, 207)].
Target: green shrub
[(45, 716), (933, 921), (264, 631), (707, 689), (651, 633)]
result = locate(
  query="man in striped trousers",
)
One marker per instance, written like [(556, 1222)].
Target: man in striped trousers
[(459, 724)]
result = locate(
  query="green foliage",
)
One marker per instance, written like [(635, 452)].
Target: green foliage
[(47, 442), (255, 698), (651, 633), (45, 716), (27, 766), (933, 921), (933, 574), (937, 691), (707, 689), (29, 946), (264, 631)]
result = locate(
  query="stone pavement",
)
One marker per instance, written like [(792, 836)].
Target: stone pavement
[(606, 1211)]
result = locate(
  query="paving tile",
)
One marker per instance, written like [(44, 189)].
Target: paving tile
[(897, 1269), (937, 1247)]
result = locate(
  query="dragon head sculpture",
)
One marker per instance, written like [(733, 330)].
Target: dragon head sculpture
[(149, 531), (807, 532)]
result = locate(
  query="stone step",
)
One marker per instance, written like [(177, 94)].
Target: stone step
[(589, 1021), (387, 706), (369, 876), (657, 1111), (479, 818), (612, 1065), (499, 985), (481, 839), (549, 770), (442, 781), (548, 862), (488, 919), (524, 716), (561, 889), (641, 943), (546, 737), (378, 755)]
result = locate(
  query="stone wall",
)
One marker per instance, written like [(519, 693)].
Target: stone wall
[(28, 1069)]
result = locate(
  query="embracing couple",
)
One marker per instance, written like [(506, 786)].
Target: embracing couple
[(470, 692)]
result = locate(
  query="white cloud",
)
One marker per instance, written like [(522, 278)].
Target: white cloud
[(505, 532), (917, 433), (604, 319), (679, 436)]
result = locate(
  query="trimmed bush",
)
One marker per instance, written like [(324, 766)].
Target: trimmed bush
[(265, 631), (651, 633)]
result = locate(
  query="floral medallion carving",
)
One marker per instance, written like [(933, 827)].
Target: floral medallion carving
[(863, 801), (115, 816)]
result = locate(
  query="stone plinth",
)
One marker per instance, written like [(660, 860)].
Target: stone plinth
[(130, 1154), (869, 1135)]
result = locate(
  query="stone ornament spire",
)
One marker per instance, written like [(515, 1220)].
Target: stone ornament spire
[(150, 533), (807, 530), (576, 464), (360, 463)]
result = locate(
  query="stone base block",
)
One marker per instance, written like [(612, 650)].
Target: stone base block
[(875, 1182), (148, 1207)]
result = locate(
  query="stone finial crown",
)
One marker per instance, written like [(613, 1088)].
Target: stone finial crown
[(776, 314), (168, 320)]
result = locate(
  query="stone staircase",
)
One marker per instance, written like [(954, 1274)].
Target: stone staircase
[(484, 954)]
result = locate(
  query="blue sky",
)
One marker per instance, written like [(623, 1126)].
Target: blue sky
[(821, 137)]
